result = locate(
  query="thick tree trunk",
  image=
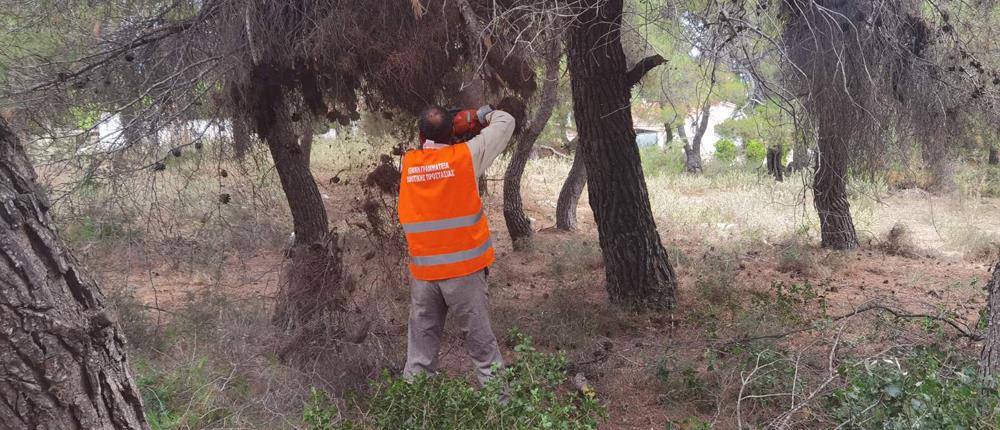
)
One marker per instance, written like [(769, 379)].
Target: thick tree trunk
[(774, 167), (830, 194), (989, 359), (241, 137), (692, 150), (638, 274), (63, 357), (518, 224), (569, 196), (994, 156), (306, 144), (308, 213), (308, 286)]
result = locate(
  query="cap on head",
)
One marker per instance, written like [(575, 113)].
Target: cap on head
[(435, 124)]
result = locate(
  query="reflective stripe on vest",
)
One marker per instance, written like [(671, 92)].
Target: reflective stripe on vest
[(439, 208), (462, 221), (454, 257)]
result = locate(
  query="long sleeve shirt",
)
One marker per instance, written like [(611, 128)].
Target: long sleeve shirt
[(490, 142)]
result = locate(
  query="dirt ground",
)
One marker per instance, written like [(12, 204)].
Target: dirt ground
[(554, 291)]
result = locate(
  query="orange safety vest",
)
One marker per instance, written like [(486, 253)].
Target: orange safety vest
[(442, 215)]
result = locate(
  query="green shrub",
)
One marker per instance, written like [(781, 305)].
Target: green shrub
[(320, 412), (725, 151), (755, 151), (924, 389), (657, 161), (530, 393)]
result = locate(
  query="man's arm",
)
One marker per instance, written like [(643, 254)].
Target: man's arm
[(488, 145)]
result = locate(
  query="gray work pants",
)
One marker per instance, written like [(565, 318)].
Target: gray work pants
[(466, 297)]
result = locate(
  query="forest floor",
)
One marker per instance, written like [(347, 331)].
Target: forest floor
[(745, 249)]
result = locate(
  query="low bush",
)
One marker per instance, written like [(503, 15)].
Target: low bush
[(979, 181), (924, 389), (755, 152), (657, 161), (725, 151), (532, 392)]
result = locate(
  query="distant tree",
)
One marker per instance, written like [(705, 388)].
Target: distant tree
[(518, 224), (64, 358), (569, 194)]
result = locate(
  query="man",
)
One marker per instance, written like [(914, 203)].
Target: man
[(448, 236)]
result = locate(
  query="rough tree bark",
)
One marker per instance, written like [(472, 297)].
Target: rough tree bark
[(692, 149), (63, 357), (306, 144), (569, 195), (518, 224), (308, 213), (241, 137), (989, 359), (302, 296), (830, 192), (638, 274), (576, 180)]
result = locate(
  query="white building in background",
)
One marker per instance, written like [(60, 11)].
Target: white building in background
[(717, 114), (652, 133)]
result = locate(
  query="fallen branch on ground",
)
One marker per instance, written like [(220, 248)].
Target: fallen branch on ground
[(962, 331)]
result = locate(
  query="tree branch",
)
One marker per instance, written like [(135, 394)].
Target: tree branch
[(962, 331), (642, 67)]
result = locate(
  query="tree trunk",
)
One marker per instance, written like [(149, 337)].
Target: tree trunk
[(774, 167), (315, 272), (306, 144), (518, 224), (989, 359), (308, 213), (692, 150), (830, 194), (994, 156), (939, 166), (241, 137), (638, 274), (63, 357), (569, 196)]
